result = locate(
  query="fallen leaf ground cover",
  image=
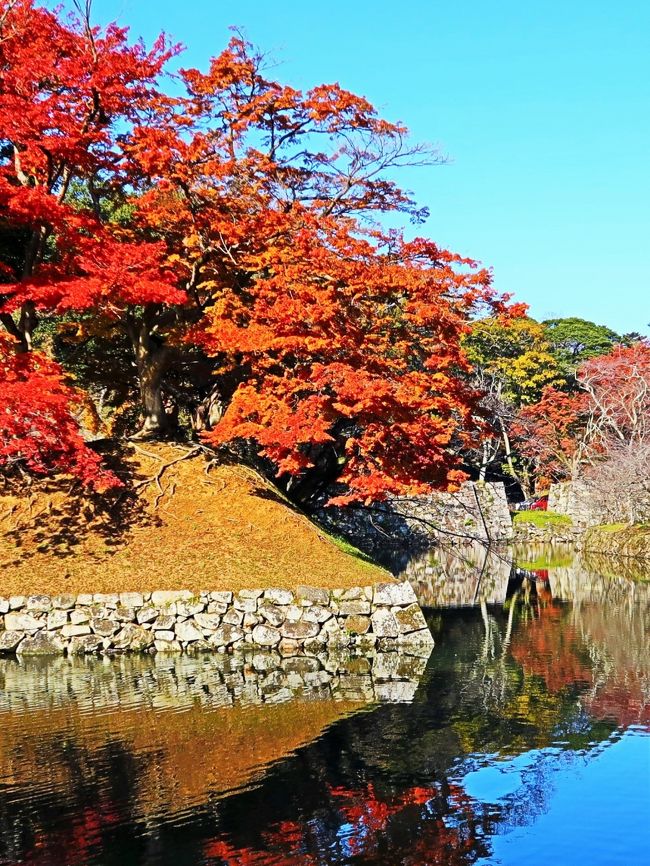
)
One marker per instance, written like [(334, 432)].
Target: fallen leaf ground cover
[(178, 523)]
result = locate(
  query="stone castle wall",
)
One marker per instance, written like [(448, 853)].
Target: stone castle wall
[(477, 512), (384, 616), (392, 531), (577, 501)]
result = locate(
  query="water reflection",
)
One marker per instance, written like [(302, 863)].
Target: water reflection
[(525, 740), (460, 576)]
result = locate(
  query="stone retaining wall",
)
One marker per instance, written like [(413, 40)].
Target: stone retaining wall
[(577, 501), (384, 617), (392, 531)]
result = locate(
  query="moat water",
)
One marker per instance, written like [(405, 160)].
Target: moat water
[(524, 738)]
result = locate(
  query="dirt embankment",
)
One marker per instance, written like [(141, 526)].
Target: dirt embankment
[(179, 522)]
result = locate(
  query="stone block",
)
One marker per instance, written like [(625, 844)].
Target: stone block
[(189, 608), (56, 619), (71, 630), (216, 607), (264, 635), (226, 635), (272, 613), (245, 604), (233, 617), (317, 613), (9, 640), (41, 644), (131, 599), (410, 618), (108, 599), (22, 622), (188, 631), (163, 646), (164, 623), (65, 601), (384, 623), (354, 593), (394, 594), (251, 620), (294, 612), (348, 608), (315, 595), (104, 627), (299, 630), (357, 624), (85, 645), (279, 596), (207, 621), (133, 637), (39, 603)]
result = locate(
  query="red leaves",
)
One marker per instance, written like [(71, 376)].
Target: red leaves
[(619, 387), (63, 86), (107, 275), (340, 334), (233, 217), (37, 426), (549, 433), (564, 430)]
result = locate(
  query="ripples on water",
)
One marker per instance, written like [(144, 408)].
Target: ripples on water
[(523, 739)]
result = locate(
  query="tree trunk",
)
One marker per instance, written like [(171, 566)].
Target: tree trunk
[(525, 488), (152, 359), (485, 462), (209, 412)]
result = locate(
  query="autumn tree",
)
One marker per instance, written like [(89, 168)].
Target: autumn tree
[(66, 93), (512, 364), (236, 226), (598, 434), (39, 421), (550, 437), (618, 389)]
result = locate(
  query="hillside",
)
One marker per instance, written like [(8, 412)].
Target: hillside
[(180, 522)]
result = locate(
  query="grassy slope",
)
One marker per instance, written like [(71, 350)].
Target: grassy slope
[(542, 518), (225, 528)]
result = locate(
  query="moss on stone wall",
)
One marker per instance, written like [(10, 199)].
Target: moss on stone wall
[(619, 540)]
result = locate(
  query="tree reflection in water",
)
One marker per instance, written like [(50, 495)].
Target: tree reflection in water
[(515, 697)]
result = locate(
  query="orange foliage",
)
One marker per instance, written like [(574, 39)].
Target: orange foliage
[(250, 234)]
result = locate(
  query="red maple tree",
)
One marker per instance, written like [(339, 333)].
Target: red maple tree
[(236, 221)]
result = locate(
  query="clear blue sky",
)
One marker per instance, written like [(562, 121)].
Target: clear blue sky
[(543, 108)]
